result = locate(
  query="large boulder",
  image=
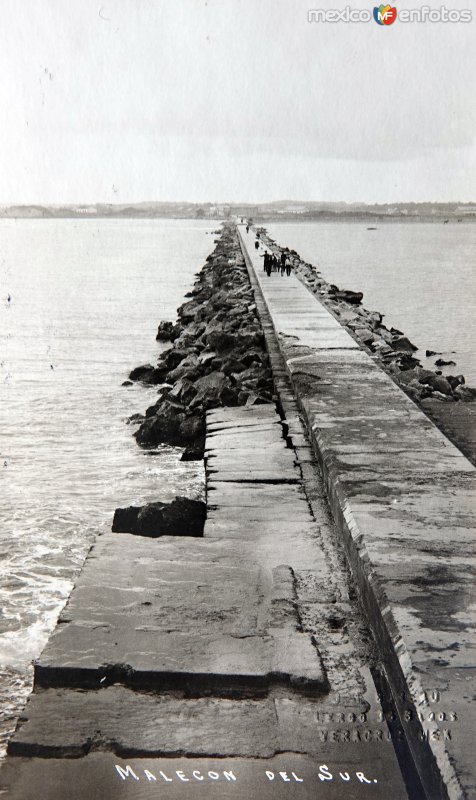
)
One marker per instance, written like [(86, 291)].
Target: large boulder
[(403, 345), (209, 387), (187, 311), (220, 340), (187, 368), (182, 517), (167, 331), (173, 357), (355, 298), (439, 384), (194, 451), (141, 373), (162, 424), (191, 428)]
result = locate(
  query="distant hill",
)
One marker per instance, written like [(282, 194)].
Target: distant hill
[(281, 209)]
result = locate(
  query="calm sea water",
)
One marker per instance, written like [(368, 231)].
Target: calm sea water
[(80, 301), (422, 276)]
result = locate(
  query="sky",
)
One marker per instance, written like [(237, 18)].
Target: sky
[(233, 101)]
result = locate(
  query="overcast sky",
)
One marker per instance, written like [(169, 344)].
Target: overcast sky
[(232, 100)]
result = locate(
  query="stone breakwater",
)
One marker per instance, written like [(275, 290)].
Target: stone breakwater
[(393, 350), (217, 356)]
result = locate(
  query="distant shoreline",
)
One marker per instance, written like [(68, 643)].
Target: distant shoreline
[(278, 218), (280, 211)]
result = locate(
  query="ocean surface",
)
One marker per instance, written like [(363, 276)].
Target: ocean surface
[(80, 301), (422, 276)]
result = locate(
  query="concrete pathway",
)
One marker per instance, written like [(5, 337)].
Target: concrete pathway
[(403, 497), (194, 664)]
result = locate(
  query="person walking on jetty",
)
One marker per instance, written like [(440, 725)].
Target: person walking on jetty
[(283, 262), (256, 244), (289, 267), (265, 257), (268, 263)]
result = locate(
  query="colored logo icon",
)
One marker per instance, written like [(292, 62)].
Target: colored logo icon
[(385, 15)]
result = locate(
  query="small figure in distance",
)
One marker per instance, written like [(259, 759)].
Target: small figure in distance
[(247, 229), (269, 265), (256, 244), (283, 262)]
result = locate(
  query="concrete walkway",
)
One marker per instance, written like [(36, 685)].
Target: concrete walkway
[(194, 664), (403, 497)]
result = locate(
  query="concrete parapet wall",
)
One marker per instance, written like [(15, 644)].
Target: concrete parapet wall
[(403, 498)]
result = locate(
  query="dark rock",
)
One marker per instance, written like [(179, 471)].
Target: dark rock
[(195, 451), (365, 335), (188, 367), (157, 376), (385, 334), (184, 391), (135, 418), (439, 384), (429, 353), (436, 395), (127, 383), (210, 386), (424, 375), (187, 311), (455, 380), (141, 373), (404, 345), (229, 396), (406, 361), (354, 298), (173, 357), (182, 517), (221, 341), (206, 357), (375, 318), (217, 358), (165, 331), (162, 425), (232, 365), (191, 428), (440, 362), (465, 393), (253, 357), (411, 374)]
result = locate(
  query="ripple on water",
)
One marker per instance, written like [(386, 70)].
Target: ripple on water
[(86, 297)]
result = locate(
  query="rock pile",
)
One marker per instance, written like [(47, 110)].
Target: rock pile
[(218, 356), (393, 350)]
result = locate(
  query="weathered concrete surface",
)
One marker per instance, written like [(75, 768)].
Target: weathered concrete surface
[(184, 624), (293, 777), (403, 496), (186, 648), (65, 723)]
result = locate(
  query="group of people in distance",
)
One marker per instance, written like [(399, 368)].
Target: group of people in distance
[(271, 263)]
